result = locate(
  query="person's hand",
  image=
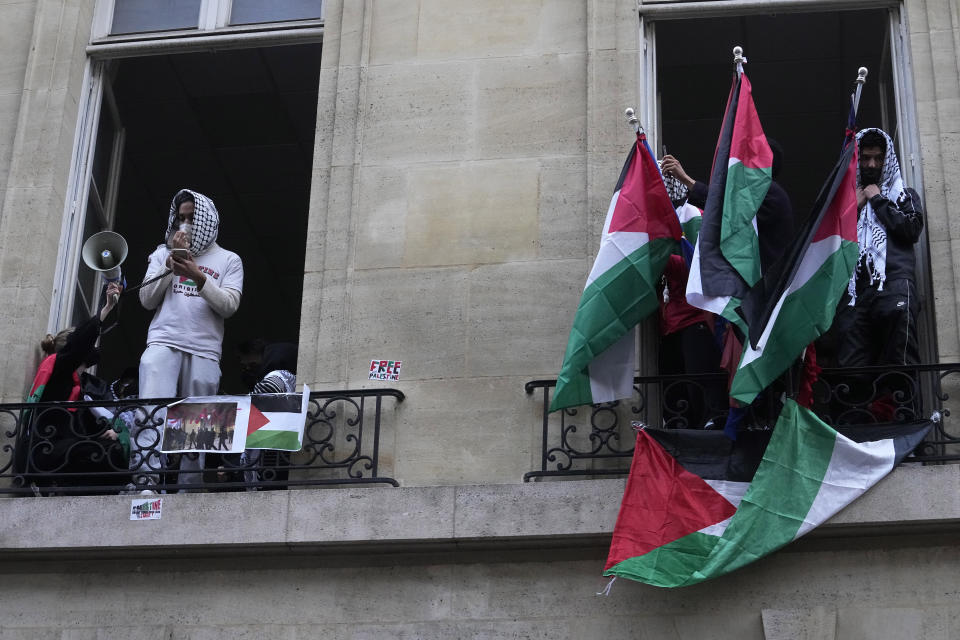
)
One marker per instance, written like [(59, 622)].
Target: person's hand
[(186, 267), (672, 167), (861, 198), (871, 190), (113, 296), (180, 240), (109, 434)]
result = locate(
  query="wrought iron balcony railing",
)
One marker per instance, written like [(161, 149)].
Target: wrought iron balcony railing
[(60, 448), (597, 440)]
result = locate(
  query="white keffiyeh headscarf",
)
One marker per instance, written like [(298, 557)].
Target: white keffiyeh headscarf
[(871, 235), (206, 220)]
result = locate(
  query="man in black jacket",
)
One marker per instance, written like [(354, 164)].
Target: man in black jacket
[(878, 326)]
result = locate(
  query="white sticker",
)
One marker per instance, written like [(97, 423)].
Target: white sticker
[(384, 369), (146, 509)]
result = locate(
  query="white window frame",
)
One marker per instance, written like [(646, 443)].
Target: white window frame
[(215, 33)]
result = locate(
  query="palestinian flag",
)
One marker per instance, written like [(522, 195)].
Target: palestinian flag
[(726, 260), (749, 174), (277, 420), (640, 233), (698, 506), (796, 305)]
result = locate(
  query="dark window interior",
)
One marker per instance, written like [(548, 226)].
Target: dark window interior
[(237, 126), (802, 68)]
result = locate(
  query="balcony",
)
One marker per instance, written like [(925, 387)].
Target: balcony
[(597, 440), (341, 446)]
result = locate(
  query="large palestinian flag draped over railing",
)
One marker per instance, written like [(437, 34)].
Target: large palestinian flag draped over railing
[(788, 313), (726, 261), (640, 233), (688, 516)]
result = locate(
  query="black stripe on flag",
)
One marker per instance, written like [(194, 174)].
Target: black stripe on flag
[(713, 456), (278, 402)]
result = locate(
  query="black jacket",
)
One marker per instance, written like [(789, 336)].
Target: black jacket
[(903, 221)]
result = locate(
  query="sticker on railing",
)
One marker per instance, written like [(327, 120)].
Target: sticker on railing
[(384, 369), (146, 509)]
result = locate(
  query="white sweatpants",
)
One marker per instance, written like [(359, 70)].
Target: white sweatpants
[(166, 372)]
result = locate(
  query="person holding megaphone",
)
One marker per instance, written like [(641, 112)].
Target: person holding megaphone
[(193, 284)]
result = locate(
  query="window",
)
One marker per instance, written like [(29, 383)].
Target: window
[(233, 118), (156, 18), (801, 87), (138, 16)]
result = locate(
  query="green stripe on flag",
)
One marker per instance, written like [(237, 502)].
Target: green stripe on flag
[(265, 439), (669, 565), (611, 305), (744, 191), (782, 491)]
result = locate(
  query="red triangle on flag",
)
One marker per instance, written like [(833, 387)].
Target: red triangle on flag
[(642, 201), (663, 502), (257, 419)]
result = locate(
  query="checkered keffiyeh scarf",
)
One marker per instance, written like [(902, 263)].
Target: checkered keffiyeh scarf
[(206, 221), (675, 189), (871, 235)]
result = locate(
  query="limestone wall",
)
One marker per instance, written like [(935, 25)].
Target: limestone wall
[(465, 156), (41, 70)]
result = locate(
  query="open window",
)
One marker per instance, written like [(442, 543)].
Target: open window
[(802, 65), (234, 119)]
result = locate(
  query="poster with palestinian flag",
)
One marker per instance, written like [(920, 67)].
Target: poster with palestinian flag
[(698, 506), (277, 420)]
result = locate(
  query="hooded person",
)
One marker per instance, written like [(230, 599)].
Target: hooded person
[(878, 323), (202, 286)]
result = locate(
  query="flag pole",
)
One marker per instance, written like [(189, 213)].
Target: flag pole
[(739, 59), (861, 79)]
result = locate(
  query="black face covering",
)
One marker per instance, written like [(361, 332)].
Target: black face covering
[(870, 176)]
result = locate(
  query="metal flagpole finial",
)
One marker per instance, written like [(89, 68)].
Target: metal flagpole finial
[(738, 58), (861, 80), (632, 119)]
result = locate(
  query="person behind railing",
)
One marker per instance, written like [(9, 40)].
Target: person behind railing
[(67, 441), (202, 287), (877, 320), (687, 344)]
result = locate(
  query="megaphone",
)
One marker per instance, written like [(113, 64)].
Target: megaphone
[(105, 252)]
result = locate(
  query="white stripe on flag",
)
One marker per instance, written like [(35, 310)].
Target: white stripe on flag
[(611, 372), (854, 467), (695, 295), (733, 492)]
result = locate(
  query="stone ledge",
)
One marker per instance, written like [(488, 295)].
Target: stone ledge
[(916, 500)]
